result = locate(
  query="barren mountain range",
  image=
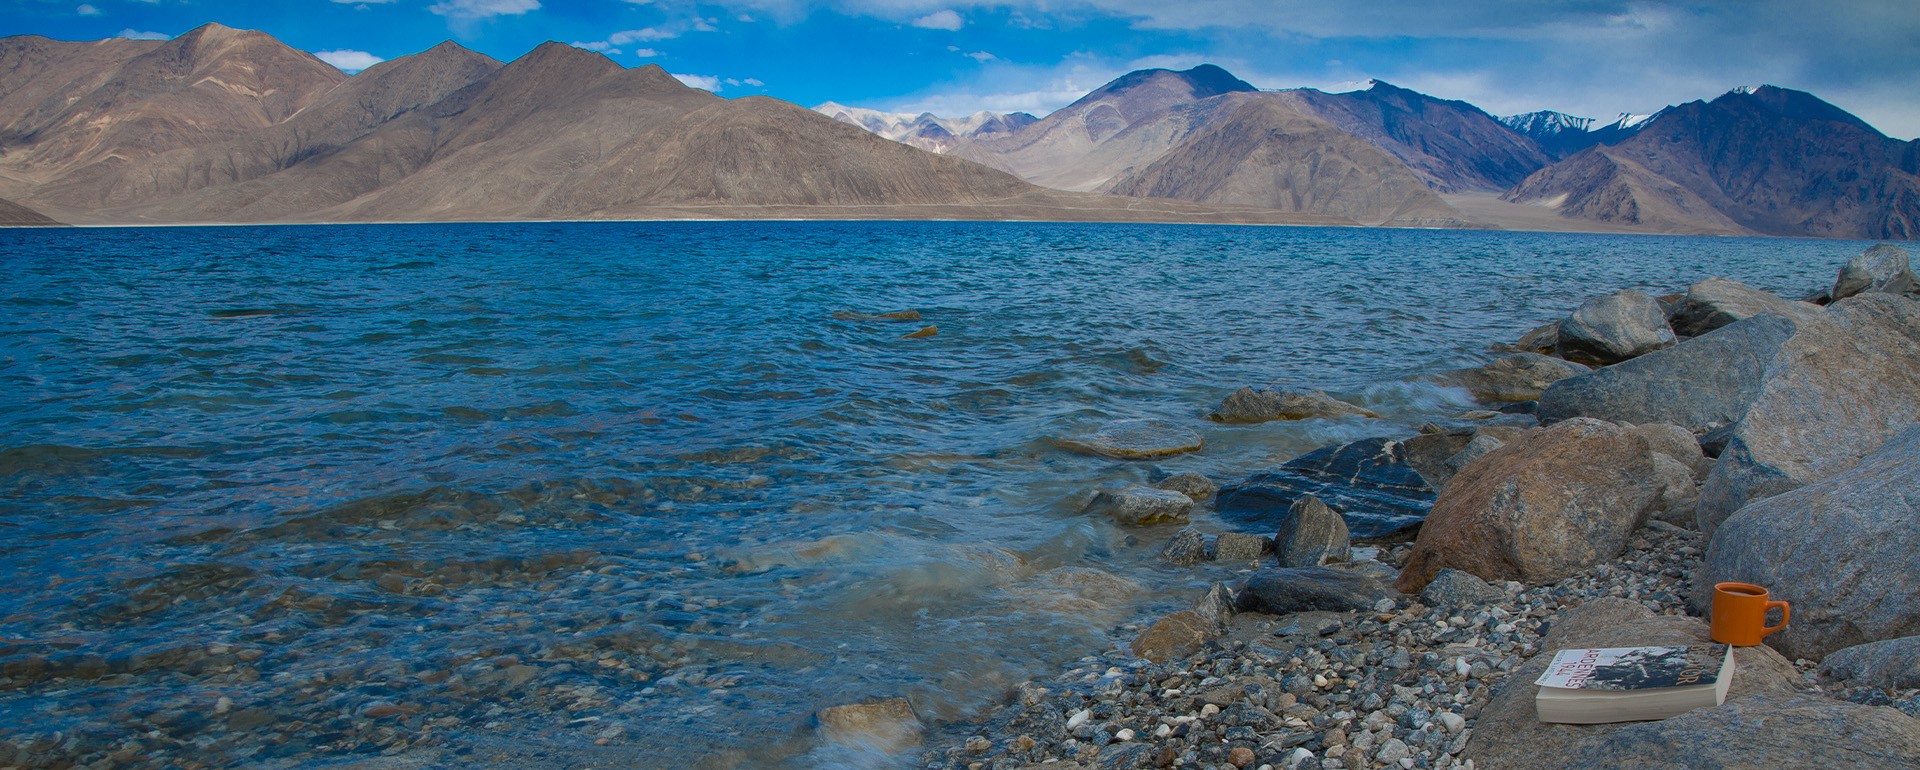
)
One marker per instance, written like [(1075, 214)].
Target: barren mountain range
[(225, 125)]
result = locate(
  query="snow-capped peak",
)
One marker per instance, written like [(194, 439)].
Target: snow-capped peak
[(1546, 123)]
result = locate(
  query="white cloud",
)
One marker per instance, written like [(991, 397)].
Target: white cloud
[(599, 45), (133, 34), (483, 9), (755, 82), (702, 82), (982, 56), (363, 3), (348, 61), (645, 53), (942, 19), (87, 9), (624, 37)]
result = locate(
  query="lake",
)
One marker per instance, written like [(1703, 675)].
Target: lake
[(279, 496)]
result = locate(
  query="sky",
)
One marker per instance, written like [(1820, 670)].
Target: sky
[(1592, 58)]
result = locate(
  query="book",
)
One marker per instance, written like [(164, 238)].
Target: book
[(1632, 684)]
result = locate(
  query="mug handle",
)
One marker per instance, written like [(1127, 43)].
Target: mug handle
[(1786, 611)]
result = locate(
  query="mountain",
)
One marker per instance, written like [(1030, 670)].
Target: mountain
[(1453, 145), (926, 131), (87, 105), (15, 215), (1265, 152), (1122, 125), (1560, 134), (1765, 160)]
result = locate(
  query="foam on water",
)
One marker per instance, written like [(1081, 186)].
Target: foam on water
[(547, 484)]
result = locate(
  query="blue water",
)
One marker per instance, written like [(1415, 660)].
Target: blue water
[(636, 483)]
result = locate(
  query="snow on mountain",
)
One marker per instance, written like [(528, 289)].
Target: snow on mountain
[(925, 130), (1546, 123)]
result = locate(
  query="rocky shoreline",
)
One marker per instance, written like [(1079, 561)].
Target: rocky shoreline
[(1653, 476)]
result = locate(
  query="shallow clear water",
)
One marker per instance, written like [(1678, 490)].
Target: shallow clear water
[(390, 485)]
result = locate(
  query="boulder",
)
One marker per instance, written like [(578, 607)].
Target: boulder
[(1453, 588), (1136, 440), (1282, 590), (1679, 492), (1542, 339), (1892, 664), (1514, 378), (1185, 549), (1544, 506), (1509, 735), (1840, 387), (1192, 485), (1311, 535), (1771, 730), (1428, 453), (886, 726), (1369, 482), (1614, 328), (1138, 506), (1701, 384), (1883, 268), (1716, 302), (1248, 405), (1845, 551), (1678, 443), (1237, 547), (1481, 446)]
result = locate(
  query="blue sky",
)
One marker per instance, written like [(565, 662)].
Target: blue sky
[(1595, 58)]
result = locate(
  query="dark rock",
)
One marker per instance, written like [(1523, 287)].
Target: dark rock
[(1838, 389), (1311, 534), (1247, 405), (1517, 377), (1369, 482), (1717, 302), (1520, 407), (1138, 506), (1453, 588), (1892, 664), (1283, 591), (1614, 328), (1700, 384), (1193, 485), (1185, 549), (1428, 453), (1771, 730), (1136, 440), (1845, 551), (1542, 339), (1883, 267), (1544, 506), (1123, 757)]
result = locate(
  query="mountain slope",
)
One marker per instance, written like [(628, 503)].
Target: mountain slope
[(15, 215), (1767, 160), (1265, 152), (1453, 145)]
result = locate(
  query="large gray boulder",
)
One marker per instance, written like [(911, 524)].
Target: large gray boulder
[(1247, 405), (1512, 378), (1716, 302), (1701, 384), (1765, 722), (1884, 267), (1543, 506), (1845, 551), (1892, 664), (1837, 390), (1311, 535), (1614, 328)]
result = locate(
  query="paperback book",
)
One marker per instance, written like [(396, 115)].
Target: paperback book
[(1630, 684)]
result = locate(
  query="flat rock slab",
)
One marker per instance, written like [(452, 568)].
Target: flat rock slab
[(1369, 482), (1283, 591), (1890, 663), (1136, 440)]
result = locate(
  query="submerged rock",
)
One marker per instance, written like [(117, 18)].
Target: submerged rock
[(895, 315), (886, 726), (1369, 482), (1136, 440), (1193, 485), (1513, 378), (923, 333), (1247, 405), (1614, 328), (1185, 549), (1138, 506)]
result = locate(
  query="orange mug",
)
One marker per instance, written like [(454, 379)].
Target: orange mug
[(1740, 614)]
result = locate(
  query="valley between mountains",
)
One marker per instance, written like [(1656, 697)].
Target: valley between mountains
[(232, 126)]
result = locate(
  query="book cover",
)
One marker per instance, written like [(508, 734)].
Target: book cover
[(1634, 668)]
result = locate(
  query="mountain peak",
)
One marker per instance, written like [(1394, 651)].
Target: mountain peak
[(1789, 103), (1204, 81)]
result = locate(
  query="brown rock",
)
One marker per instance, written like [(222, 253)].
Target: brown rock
[(887, 726), (1136, 440), (1513, 378), (1177, 635), (923, 333), (1545, 505), (1240, 756), (1248, 405)]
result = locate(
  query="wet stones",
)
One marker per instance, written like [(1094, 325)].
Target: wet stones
[(1311, 534), (1136, 440), (1235, 547), (1193, 485), (1185, 549), (886, 726), (1281, 591), (1369, 482), (1248, 405), (1138, 506), (1513, 378)]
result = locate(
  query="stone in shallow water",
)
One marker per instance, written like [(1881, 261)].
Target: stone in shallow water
[(1238, 547), (1369, 482), (886, 725), (1249, 405), (1185, 549), (1279, 591), (1193, 485), (1136, 440), (1142, 506), (1311, 535)]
